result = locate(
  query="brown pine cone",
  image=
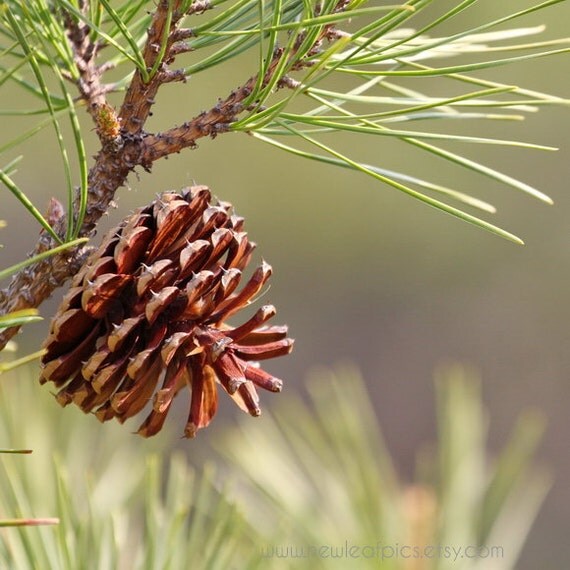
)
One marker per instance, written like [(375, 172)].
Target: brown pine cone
[(146, 316)]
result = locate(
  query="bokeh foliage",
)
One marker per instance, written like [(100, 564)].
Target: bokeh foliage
[(313, 473)]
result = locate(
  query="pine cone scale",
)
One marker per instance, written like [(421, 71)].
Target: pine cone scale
[(130, 249), (71, 323)]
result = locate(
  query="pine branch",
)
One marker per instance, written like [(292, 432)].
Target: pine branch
[(292, 37), (210, 123), (125, 144)]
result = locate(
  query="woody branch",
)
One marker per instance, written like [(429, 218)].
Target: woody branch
[(131, 146)]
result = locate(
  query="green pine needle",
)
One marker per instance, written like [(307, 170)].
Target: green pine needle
[(41, 256)]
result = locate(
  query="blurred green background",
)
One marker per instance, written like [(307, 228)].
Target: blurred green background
[(362, 273)]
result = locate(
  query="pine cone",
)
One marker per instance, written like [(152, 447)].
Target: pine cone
[(146, 315)]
